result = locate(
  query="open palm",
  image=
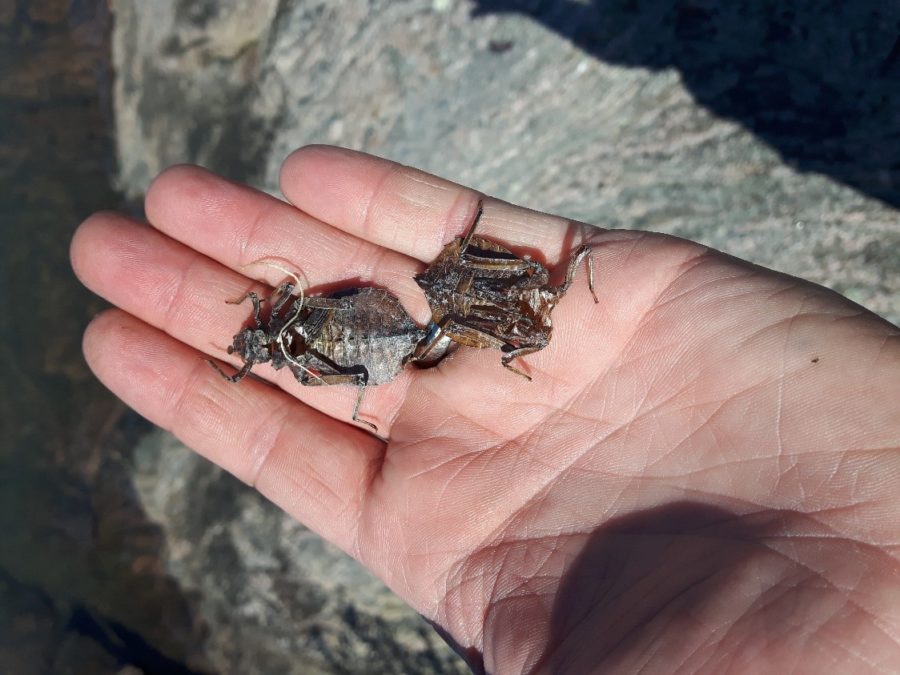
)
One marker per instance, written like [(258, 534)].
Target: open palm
[(700, 476)]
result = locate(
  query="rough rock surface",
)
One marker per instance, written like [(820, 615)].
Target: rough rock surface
[(276, 598), (765, 129), (606, 127)]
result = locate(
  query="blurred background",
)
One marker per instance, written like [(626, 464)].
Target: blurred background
[(769, 129)]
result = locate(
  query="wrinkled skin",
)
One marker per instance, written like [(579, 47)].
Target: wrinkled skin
[(702, 476)]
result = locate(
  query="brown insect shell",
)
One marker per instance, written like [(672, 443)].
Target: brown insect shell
[(456, 281), (298, 334), (502, 264)]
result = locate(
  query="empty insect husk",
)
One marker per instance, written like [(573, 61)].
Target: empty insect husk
[(357, 336), (483, 295)]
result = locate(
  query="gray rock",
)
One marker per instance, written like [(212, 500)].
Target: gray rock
[(522, 108), (275, 597)]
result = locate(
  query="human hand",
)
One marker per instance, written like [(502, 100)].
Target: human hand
[(700, 477)]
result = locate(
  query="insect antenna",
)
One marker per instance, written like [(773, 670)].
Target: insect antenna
[(279, 339), (284, 286), (297, 307)]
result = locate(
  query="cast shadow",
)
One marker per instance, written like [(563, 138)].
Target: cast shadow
[(817, 81), (644, 572)]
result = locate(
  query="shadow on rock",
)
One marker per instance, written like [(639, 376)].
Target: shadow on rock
[(818, 81)]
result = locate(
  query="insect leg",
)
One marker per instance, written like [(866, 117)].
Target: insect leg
[(516, 353), (472, 337), (284, 292), (361, 390), (583, 252), (465, 242), (238, 376), (254, 298), (500, 268), (358, 379), (319, 302)]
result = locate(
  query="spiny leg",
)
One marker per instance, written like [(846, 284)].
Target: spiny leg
[(284, 292), (499, 267), (517, 353), (237, 377), (360, 391), (465, 242), (472, 337), (459, 332), (582, 253), (254, 298), (359, 380)]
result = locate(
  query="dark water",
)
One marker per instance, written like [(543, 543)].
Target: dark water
[(81, 589)]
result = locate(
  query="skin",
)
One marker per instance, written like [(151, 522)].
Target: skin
[(702, 476)]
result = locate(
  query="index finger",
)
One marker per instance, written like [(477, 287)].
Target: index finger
[(408, 210)]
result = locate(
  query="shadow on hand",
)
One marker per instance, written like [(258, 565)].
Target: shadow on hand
[(817, 81), (642, 576)]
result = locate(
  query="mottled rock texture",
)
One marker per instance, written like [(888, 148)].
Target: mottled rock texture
[(276, 598), (763, 128), (766, 129)]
